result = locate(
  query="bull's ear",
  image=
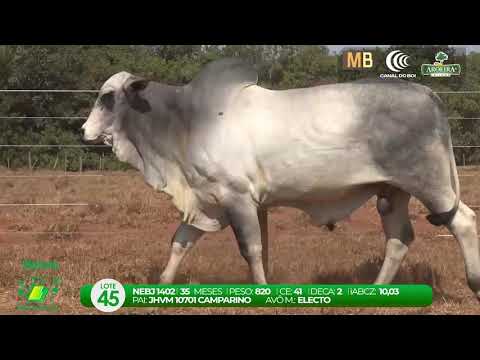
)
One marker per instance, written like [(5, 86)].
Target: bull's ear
[(132, 88)]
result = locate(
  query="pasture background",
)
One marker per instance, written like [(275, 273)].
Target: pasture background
[(88, 67)]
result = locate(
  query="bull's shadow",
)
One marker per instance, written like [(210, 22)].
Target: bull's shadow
[(366, 273), (153, 276)]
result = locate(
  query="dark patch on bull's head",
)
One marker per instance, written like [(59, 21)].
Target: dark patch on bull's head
[(132, 88), (107, 100)]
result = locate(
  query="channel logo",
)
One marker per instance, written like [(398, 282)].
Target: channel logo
[(397, 61)]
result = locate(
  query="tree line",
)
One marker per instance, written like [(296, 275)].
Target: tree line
[(88, 66)]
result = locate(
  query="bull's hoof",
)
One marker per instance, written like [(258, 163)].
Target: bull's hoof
[(331, 226), (477, 294), (474, 285)]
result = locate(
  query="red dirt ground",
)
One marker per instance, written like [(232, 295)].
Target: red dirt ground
[(125, 234)]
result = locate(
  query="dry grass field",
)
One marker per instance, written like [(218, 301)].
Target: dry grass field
[(124, 233)]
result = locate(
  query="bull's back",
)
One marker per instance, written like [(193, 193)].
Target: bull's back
[(325, 138)]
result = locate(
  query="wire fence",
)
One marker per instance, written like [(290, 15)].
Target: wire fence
[(97, 91), (47, 91), (91, 91), (44, 117)]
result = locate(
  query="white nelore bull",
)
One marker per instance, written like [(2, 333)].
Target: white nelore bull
[(226, 149)]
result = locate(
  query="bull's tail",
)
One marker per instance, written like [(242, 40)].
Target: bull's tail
[(446, 217)]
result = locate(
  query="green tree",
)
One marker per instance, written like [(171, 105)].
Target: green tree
[(88, 67), (441, 56)]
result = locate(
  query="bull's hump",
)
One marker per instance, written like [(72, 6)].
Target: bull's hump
[(212, 90), (117, 80), (225, 72)]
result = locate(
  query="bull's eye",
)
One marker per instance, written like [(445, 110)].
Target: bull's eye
[(107, 100)]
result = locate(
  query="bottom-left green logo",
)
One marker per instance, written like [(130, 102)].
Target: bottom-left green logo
[(40, 286)]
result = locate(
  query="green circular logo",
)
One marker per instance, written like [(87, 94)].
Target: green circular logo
[(108, 295)]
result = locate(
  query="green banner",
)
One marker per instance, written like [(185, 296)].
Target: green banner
[(264, 296)]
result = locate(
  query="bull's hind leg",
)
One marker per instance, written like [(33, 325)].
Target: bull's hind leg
[(184, 239), (464, 227), (393, 210)]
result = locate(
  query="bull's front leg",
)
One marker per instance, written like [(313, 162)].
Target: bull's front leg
[(184, 239), (244, 220)]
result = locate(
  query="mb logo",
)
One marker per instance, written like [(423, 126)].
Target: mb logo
[(357, 60)]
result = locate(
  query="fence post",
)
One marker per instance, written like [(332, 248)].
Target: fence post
[(56, 161), (30, 160), (65, 162), (81, 165), (103, 160), (8, 162), (463, 155)]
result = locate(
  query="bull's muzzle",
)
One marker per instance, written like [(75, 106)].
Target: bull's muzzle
[(106, 139)]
